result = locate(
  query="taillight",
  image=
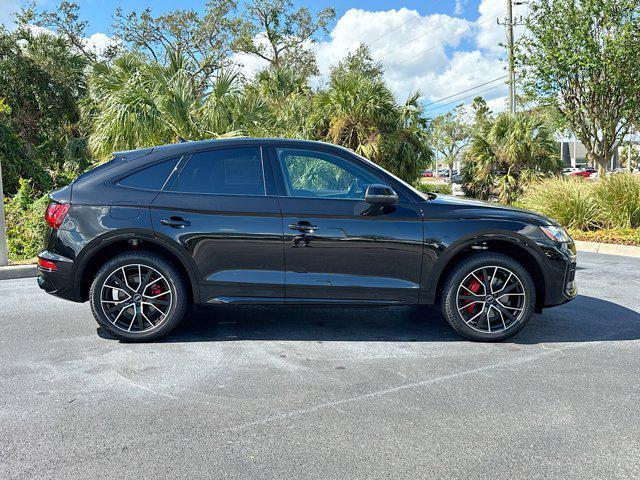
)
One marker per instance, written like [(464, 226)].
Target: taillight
[(47, 264), (55, 214)]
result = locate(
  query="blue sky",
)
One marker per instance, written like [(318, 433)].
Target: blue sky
[(99, 12), (439, 48)]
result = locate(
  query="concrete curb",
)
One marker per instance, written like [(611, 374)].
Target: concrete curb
[(608, 248), (18, 271)]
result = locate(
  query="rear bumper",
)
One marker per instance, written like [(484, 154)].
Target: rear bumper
[(57, 282)]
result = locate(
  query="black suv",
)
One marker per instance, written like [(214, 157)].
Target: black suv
[(268, 221)]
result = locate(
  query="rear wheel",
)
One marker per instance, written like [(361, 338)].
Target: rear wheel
[(488, 297), (138, 296)]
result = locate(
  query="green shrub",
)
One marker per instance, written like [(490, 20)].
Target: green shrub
[(442, 188), (16, 163), (618, 201), (568, 201), (612, 202), (26, 228)]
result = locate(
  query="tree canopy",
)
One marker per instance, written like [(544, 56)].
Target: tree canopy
[(582, 57)]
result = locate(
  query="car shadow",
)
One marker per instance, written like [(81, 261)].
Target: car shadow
[(585, 319)]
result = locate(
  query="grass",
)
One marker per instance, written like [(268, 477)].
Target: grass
[(617, 198), (612, 202), (623, 236), (605, 211), (568, 201)]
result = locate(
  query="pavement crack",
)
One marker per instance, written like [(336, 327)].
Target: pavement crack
[(559, 350), (144, 387)]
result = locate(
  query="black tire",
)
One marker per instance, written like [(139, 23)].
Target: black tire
[(171, 278), (453, 290)]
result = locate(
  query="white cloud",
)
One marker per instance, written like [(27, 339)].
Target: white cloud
[(389, 34), (437, 63), (99, 42), (499, 104), (459, 7), (465, 71)]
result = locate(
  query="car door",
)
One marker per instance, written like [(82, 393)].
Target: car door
[(220, 206), (337, 246)]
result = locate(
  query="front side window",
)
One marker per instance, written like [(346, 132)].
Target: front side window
[(322, 175), (150, 178), (229, 171)]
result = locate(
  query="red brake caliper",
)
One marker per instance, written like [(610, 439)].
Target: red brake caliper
[(156, 289), (474, 286)]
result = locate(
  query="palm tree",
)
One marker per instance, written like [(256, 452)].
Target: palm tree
[(506, 153), (354, 111), (408, 148), (135, 103), (286, 101), (359, 112)]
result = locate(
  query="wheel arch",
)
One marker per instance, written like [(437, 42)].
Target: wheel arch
[(108, 248), (520, 249)]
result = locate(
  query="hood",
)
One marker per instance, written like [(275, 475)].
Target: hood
[(461, 208)]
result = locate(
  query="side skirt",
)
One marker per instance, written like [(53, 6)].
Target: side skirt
[(299, 301)]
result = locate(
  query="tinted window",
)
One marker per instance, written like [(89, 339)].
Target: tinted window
[(232, 171), (318, 174), (150, 178)]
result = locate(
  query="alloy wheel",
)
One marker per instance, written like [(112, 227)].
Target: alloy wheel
[(136, 298), (491, 299)]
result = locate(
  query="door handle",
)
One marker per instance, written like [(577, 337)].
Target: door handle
[(303, 226), (175, 222)]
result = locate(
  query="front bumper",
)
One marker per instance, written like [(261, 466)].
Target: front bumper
[(560, 275)]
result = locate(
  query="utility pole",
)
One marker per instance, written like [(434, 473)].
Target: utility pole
[(512, 68), (510, 23), (3, 231)]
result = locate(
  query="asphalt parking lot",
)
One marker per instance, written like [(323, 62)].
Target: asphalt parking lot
[(289, 392)]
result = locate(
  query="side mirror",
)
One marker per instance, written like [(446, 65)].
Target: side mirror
[(377, 194)]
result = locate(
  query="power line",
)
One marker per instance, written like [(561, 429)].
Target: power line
[(465, 91), (394, 29), (448, 39), (462, 98), (419, 36)]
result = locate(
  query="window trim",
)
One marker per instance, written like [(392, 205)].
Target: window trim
[(187, 158)]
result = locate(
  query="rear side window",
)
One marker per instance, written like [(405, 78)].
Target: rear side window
[(230, 171), (150, 178)]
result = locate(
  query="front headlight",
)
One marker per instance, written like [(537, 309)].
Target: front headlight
[(556, 234)]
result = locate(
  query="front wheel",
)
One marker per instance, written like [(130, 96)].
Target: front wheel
[(488, 297), (138, 296)]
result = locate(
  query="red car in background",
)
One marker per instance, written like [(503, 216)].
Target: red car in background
[(427, 174), (583, 173)]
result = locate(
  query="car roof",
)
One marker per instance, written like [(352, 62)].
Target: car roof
[(188, 146)]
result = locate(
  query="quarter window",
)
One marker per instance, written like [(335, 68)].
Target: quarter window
[(230, 171), (322, 175), (150, 178)]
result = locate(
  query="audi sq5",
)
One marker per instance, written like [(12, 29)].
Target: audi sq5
[(272, 221)]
